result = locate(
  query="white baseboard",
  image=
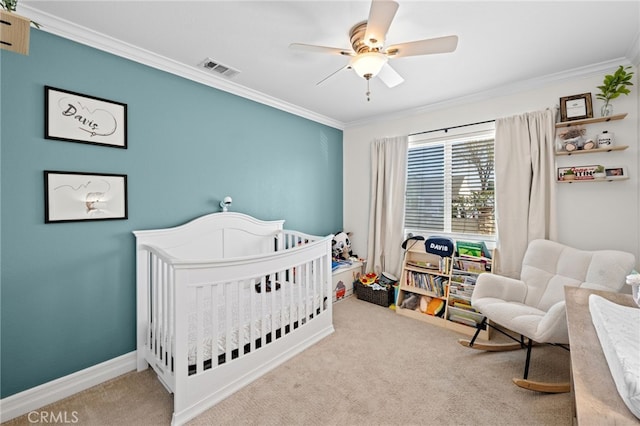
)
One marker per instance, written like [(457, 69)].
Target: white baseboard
[(55, 390)]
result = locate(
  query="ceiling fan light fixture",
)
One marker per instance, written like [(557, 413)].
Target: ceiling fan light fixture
[(368, 64)]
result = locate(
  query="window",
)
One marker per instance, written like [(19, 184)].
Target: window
[(450, 185)]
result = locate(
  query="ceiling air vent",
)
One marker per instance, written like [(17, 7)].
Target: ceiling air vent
[(217, 68)]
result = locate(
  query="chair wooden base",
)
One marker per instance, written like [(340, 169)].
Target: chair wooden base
[(545, 387), (490, 347)]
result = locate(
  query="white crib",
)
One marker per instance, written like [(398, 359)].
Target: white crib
[(225, 298)]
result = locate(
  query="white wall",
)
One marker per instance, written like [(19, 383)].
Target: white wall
[(590, 215)]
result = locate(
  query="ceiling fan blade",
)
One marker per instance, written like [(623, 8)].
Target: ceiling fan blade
[(424, 47), (320, 49), (389, 76), (332, 74), (380, 16)]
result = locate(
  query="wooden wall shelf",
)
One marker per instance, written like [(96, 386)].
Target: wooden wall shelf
[(590, 120), (607, 179), (14, 32), (593, 151)]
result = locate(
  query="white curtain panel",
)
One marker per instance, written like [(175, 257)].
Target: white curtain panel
[(386, 209), (525, 185)]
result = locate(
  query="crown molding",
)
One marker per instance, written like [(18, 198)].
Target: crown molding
[(522, 86), (88, 37), (71, 31)]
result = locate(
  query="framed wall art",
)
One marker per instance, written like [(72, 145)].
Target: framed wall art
[(576, 173), (77, 196), (576, 107), (74, 117)]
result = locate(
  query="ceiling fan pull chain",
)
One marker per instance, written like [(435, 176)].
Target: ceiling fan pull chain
[(368, 91)]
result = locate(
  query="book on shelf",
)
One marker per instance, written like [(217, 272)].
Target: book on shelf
[(442, 267), (463, 320), (464, 285), (463, 305), (456, 295), (464, 279), (433, 283), (464, 313), (423, 265), (475, 266), (474, 249)]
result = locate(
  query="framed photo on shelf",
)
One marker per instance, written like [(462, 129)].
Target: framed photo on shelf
[(77, 196), (576, 107), (74, 117), (615, 172)]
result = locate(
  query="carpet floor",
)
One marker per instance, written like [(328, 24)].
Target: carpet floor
[(378, 368)]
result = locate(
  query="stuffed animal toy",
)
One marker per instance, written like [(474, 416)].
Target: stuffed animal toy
[(341, 245), (411, 302), (267, 286)]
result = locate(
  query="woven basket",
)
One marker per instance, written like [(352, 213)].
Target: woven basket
[(379, 297)]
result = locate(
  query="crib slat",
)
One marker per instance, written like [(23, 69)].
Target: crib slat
[(149, 331), (253, 333), (307, 287), (326, 283), (171, 309), (290, 298), (263, 310), (164, 310), (228, 325), (272, 310), (321, 281), (240, 301), (299, 280), (283, 306), (314, 287), (215, 319), (154, 306), (160, 310), (199, 328)]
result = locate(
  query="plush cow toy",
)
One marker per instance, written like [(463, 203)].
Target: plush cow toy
[(341, 245)]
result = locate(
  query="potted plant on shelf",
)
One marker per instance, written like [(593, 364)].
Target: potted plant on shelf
[(613, 86), (569, 175), (598, 172)]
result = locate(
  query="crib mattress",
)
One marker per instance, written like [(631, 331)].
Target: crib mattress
[(617, 329), (274, 310)]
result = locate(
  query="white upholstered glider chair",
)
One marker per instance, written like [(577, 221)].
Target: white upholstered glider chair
[(534, 305)]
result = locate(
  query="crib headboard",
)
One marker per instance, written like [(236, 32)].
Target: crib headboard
[(215, 236)]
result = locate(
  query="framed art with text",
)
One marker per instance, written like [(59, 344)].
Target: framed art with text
[(77, 196), (74, 117), (576, 107)]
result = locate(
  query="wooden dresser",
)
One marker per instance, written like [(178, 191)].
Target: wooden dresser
[(596, 400)]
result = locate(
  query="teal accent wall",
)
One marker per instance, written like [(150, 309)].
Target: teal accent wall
[(68, 289)]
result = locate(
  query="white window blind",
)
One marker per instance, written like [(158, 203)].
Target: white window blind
[(450, 185)]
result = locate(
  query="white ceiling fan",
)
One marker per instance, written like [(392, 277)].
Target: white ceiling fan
[(369, 57)]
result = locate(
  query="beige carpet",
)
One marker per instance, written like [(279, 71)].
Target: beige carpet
[(377, 368)]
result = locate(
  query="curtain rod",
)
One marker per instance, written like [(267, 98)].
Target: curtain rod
[(446, 129)]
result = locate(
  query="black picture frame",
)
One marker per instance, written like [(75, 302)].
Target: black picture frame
[(80, 196), (74, 117), (576, 107)]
